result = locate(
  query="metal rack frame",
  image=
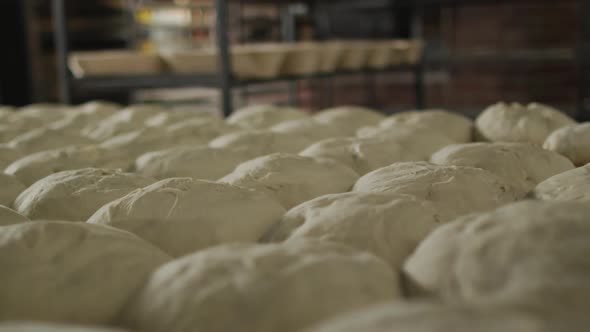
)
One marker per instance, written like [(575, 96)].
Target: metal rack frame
[(224, 80)]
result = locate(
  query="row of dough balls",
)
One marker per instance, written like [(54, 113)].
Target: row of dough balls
[(421, 192)]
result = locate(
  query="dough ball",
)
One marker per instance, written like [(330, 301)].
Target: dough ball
[(98, 109), (51, 327), (362, 155), (573, 185), (523, 165), (71, 124), (43, 113), (263, 288), (457, 190), (263, 116), (8, 155), (308, 128), (199, 129), (260, 142), (292, 179), (38, 165), (455, 126), (45, 139), (182, 215), (141, 141), (75, 195), (199, 162), (124, 121), (9, 216), (70, 272), (349, 118), (386, 225), (518, 123), (417, 143), (433, 317), (531, 253), (572, 142), (10, 188), (172, 117)]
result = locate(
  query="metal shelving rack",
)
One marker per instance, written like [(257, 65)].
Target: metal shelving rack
[(223, 80)]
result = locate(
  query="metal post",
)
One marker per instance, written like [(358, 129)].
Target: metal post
[(288, 34), (582, 61), (224, 63), (419, 70), (61, 50)]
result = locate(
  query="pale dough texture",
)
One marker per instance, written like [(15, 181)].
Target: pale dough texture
[(457, 190), (123, 121), (262, 288), (70, 272), (523, 165), (388, 226), (455, 126), (573, 185), (181, 215), (519, 123), (434, 317), (349, 118), (75, 195), (46, 139), (259, 142), (572, 142), (9, 216), (292, 179), (10, 188), (532, 253), (309, 128), (361, 154), (8, 155), (198, 162), (263, 116), (38, 165)]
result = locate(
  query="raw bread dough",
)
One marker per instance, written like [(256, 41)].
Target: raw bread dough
[(518, 123), (523, 165), (532, 253), (98, 109), (181, 215), (349, 118), (263, 116), (572, 142), (573, 185), (141, 141), (70, 272), (8, 155), (38, 165), (434, 317), (10, 188), (199, 129), (388, 226), (260, 142), (199, 162), (455, 126), (172, 117), (9, 216), (418, 143), (308, 128), (361, 154), (51, 327), (46, 139), (292, 179), (457, 190), (43, 112), (75, 195), (124, 121), (262, 288)]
